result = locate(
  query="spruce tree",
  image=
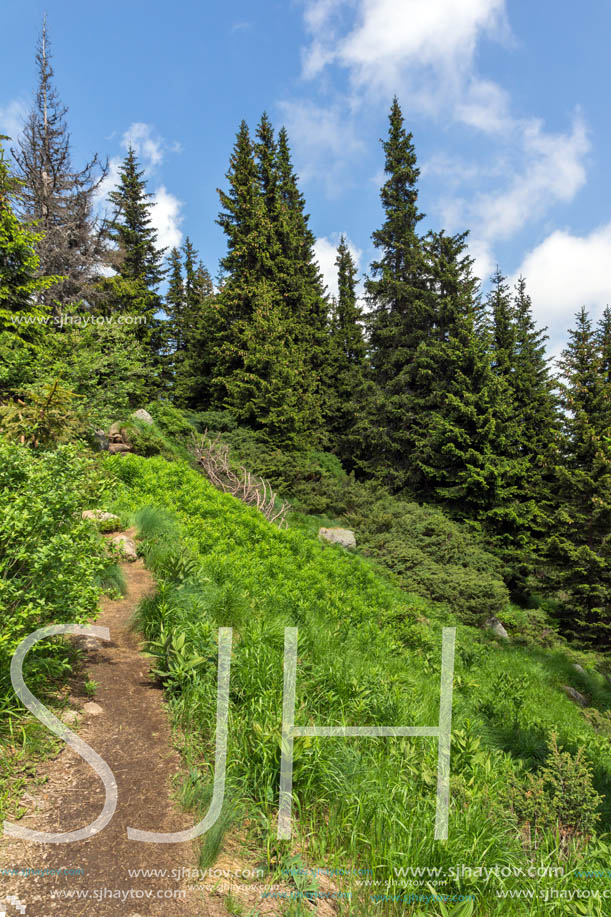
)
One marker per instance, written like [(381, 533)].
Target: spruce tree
[(199, 335), (454, 432), (175, 302), (517, 517), (258, 292), (131, 229), (400, 311), (55, 197), (580, 548), (348, 356), (301, 284), (603, 337), (137, 260), (503, 329)]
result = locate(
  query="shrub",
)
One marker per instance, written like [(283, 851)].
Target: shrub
[(560, 796), (51, 560)]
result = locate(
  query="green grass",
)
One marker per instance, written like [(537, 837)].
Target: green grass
[(369, 653)]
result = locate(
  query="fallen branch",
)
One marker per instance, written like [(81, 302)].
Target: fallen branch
[(212, 455)]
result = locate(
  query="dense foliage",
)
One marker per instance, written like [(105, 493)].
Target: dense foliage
[(51, 561)]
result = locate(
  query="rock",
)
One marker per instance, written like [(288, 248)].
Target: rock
[(142, 416), (344, 537), (115, 429), (111, 522), (575, 695), (100, 440), (127, 546), (69, 717), (92, 709), (86, 643), (579, 668), (495, 627), (119, 448)]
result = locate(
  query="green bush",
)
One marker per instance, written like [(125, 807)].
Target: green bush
[(561, 796), (51, 560)]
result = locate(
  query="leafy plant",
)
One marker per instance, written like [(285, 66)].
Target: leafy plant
[(91, 687), (48, 415)]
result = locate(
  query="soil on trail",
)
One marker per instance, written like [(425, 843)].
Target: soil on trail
[(131, 731)]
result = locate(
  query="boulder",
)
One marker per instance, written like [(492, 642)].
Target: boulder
[(127, 547), (495, 627), (115, 430), (143, 416), (343, 537), (111, 522), (100, 440), (575, 695), (117, 448), (92, 709), (579, 668)]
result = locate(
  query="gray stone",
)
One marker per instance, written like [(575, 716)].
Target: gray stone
[(127, 546), (143, 416), (100, 440), (343, 537), (119, 448), (495, 627), (98, 515), (579, 668), (92, 709), (575, 695)]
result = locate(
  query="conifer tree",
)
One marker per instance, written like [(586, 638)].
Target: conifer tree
[(603, 336), (175, 302), (397, 289), (256, 298), (580, 547), (401, 312), (137, 260), (348, 355), (300, 281), (131, 227), (454, 432), (503, 329), (55, 197), (199, 335)]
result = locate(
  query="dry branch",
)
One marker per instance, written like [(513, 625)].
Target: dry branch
[(212, 456)]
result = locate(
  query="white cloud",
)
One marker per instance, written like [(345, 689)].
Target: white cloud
[(12, 116), (552, 171), (485, 106), (396, 43), (325, 252), (148, 146), (566, 272), (425, 51), (166, 218), (324, 137)]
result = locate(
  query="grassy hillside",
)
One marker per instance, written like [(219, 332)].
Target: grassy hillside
[(369, 653)]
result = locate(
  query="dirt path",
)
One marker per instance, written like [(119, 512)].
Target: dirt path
[(127, 725)]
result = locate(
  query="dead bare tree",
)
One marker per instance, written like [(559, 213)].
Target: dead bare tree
[(212, 456), (56, 198)]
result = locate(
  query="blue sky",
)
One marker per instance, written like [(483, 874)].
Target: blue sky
[(507, 101)]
